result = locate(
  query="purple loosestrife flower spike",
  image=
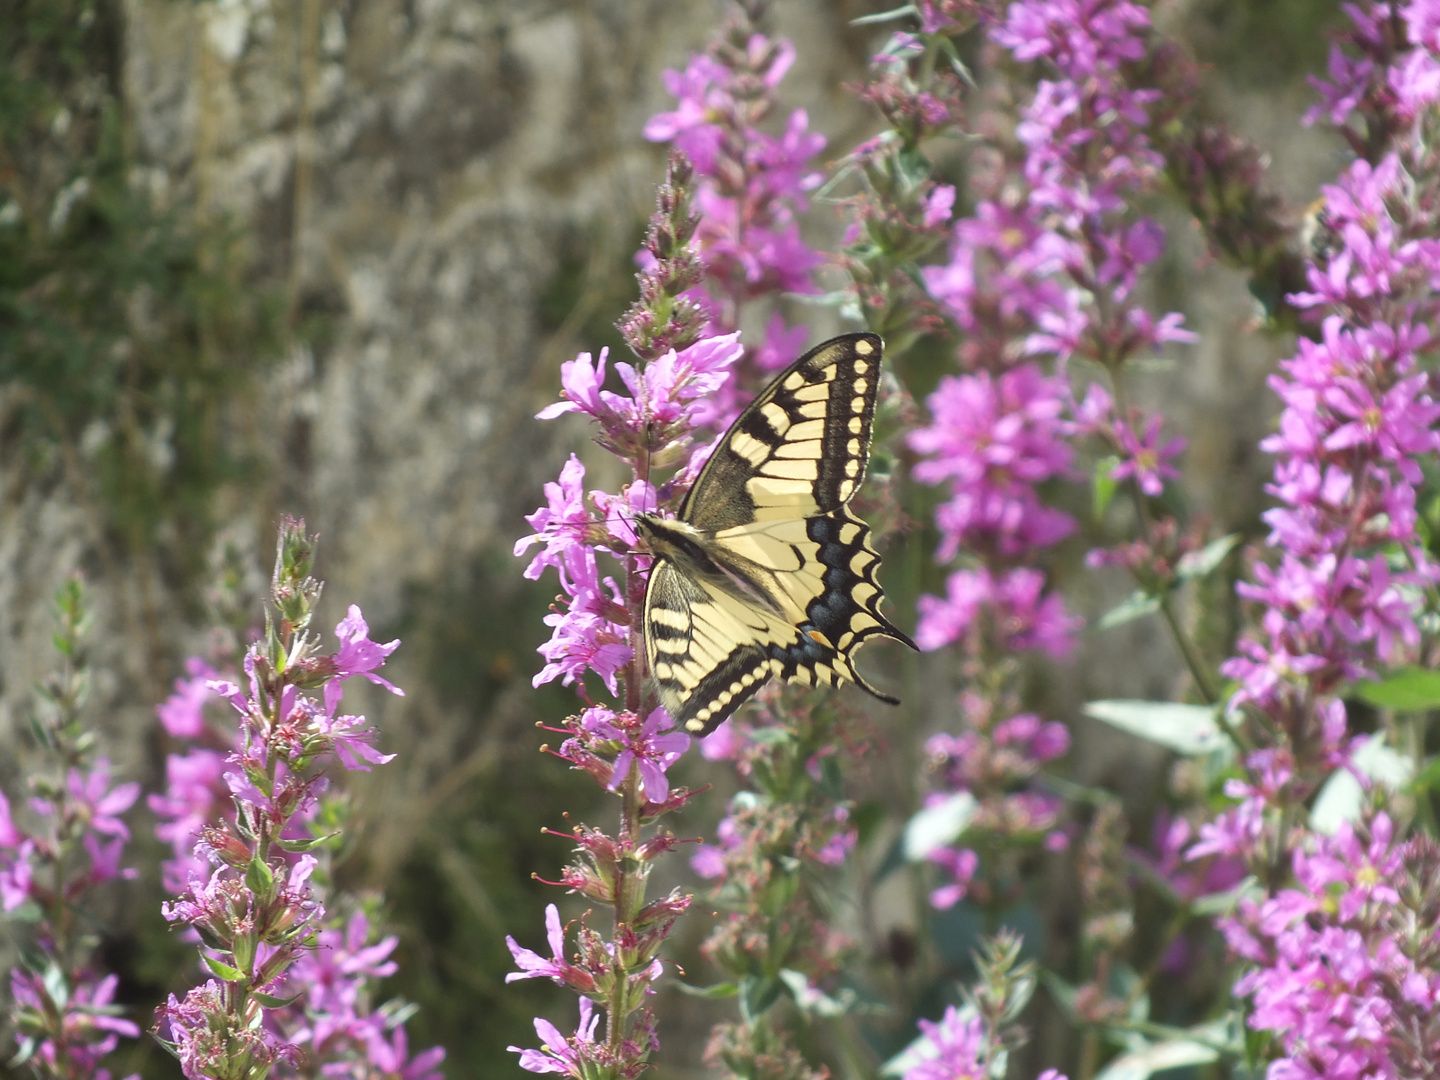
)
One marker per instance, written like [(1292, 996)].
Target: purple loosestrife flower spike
[(63, 1014), (1332, 977), (255, 892)]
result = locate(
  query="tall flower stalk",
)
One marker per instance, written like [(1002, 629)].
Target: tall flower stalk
[(785, 835), (1041, 277), (628, 745), (751, 186), (1342, 969), (288, 993), (52, 867)]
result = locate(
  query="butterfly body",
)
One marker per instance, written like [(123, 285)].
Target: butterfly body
[(764, 572)]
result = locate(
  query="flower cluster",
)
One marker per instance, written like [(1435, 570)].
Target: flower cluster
[(592, 633), (195, 792), (333, 1016), (1047, 268), (972, 1042), (750, 187), (1359, 420), (990, 770), (992, 442), (627, 748), (900, 217), (62, 1003), (1042, 271), (1338, 976), (284, 986), (786, 833), (1347, 966), (779, 838)]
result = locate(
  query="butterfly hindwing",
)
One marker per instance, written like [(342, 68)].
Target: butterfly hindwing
[(764, 572), (708, 652)]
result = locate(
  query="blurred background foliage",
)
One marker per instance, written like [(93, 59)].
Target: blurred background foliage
[(325, 257)]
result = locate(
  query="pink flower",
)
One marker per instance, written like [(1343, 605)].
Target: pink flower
[(556, 968), (1144, 458), (183, 713), (562, 1054), (653, 748), (358, 655), (958, 1043), (95, 801)]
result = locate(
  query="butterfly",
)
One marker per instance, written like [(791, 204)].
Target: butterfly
[(764, 572)]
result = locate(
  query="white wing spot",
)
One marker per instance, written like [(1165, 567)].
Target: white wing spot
[(815, 410), (794, 469), (856, 425), (852, 467), (749, 447), (795, 381), (853, 446), (861, 367), (863, 347), (776, 417), (794, 451), (860, 386), (669, 617), (848, 532)]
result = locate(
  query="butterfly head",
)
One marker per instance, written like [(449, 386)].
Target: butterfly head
[(667, 537)]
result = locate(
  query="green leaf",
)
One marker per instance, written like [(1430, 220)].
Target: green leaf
[(1408, 689), (224, 971), (1429, 778), (1064, 993), (1156, 1057), (1104, 485), (302, 846), (719, 990), (398, 1011), (1342, 799), (1223, 903), (1186, 729), (758, 993), (27, 912), (25, 1053), (1137, 606), (56, 985), (938, 825), (884, 16), (1198, 564), (270, 1001), (259, 878)]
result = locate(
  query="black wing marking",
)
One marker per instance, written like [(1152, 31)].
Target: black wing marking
[(789, 586), (710, 650), (800, 448)]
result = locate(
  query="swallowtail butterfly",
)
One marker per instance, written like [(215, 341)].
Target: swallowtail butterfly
[(764, 572)]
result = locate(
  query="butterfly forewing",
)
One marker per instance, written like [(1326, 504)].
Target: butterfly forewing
[(800, 448), (765, 573)]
